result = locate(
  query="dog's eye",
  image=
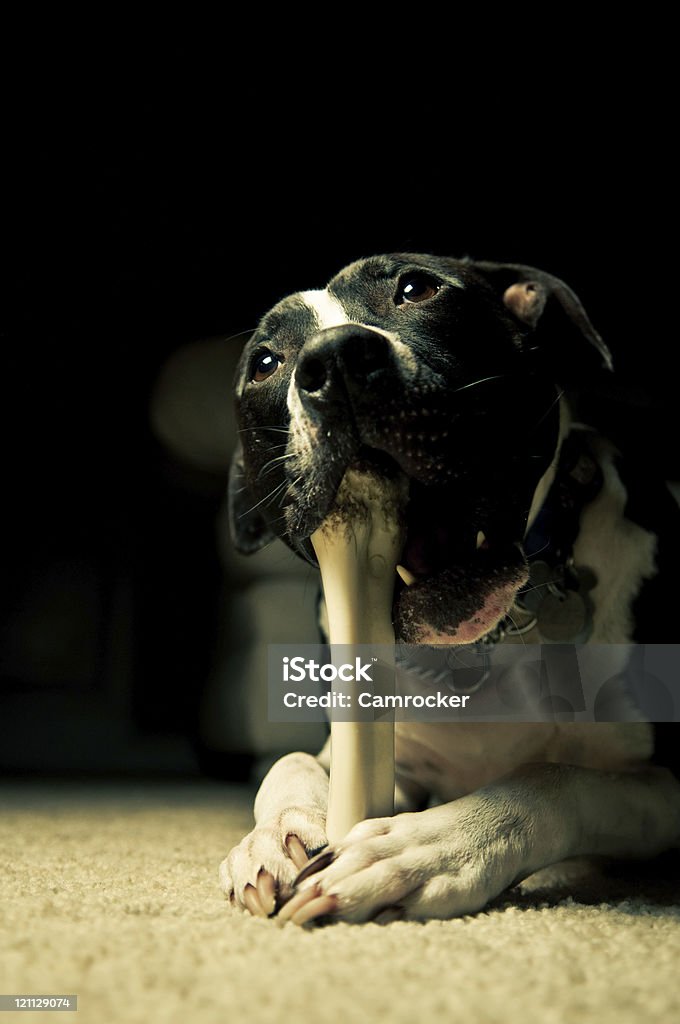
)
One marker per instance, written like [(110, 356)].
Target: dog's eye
[(416, 287), (264, 364)]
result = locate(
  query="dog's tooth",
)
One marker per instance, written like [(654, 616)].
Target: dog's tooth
[(405, 575), (480, 539)]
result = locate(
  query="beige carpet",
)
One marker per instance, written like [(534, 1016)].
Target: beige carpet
[(111, 892)]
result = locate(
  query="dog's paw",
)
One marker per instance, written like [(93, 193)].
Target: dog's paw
[(258, 874), (432, 864)]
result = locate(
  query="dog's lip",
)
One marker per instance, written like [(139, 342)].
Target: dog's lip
[(485, 557), (365, 459), (460, 602)]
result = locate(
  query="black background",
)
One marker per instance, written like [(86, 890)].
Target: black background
[(132, 227)]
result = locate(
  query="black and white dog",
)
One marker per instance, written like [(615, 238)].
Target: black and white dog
[(463, 376)]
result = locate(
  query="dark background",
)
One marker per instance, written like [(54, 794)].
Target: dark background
[(132, 229)]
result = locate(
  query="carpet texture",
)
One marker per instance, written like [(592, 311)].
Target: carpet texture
[(111, 892)]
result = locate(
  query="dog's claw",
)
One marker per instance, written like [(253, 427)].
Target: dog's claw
[(252, 901), (321, 861), (320, 906), (266, 891), (306, 905), (296, 851), (297, 902)]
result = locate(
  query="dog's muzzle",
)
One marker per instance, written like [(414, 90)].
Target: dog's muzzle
[(363, 411), (338, 364)]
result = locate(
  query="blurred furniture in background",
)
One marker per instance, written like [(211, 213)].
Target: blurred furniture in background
[(269, 597), (132, 638)]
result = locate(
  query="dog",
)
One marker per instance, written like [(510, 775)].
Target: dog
[(465, 377)]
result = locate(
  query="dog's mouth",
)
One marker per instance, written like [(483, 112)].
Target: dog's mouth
[(457, 578), (460, 566)]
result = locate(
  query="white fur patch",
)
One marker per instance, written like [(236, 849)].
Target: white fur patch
[(328, 310), (303, 433), (621, 553), (293, 399)]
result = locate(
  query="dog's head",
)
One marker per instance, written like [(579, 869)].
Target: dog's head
[(447, 371)]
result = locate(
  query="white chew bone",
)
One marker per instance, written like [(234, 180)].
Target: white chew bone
[(358, 546)]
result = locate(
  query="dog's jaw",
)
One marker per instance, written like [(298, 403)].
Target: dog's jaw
[(457, 591), (455, 596), (459, 605)]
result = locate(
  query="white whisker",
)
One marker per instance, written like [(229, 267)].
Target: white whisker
[(548, 410), (268, 466), (278, 430), (518, 631), (267, 498), (482, 380)]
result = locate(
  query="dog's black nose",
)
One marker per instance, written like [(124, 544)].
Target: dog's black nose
[(351, 352)]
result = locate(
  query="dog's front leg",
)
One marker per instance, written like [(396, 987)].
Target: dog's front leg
[(451, 860), (290, 824)]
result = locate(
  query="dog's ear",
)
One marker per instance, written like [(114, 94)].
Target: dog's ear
[(249, 531), (561, 331)]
